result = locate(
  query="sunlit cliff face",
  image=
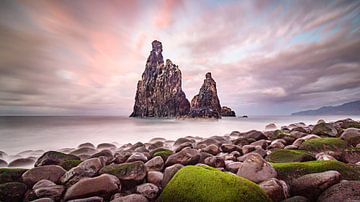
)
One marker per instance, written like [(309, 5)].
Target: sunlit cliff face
[(267, 57)]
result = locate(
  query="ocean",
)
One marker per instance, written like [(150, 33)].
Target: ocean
[(18, 134)]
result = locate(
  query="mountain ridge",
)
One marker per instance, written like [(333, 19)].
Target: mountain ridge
[(349, 108)]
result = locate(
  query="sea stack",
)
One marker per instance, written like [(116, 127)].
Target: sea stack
[(159, 92)]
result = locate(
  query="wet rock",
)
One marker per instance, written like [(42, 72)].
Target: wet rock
[(256, 169), (262, 143), (121, 156), (276, 189), (131, 198), (155, 164), (89, 199), (296, 199), (87, 168), (148, 190), (155, 177), (46, 188), (271, 126), (254, 134), (105, 185), (233, 166), (324, 156), (54, 158), (277, 144), (182, 140), (182, 146), (159, 92), (22, 162), (170, 172), (137, 156), (247, 149), (241, 141), (105, 153), (326, 129), (84, 151), (312, 185), (351, 136), (49, 172), (215, 161), (211, 149), (11, 174), (106, 146), (349, 190), (3, 163), (186, 156), (43, 200), (12, 191), (156, 145), (227, 111), (228, 148), (351, 155), (86, 145), (129, 173)]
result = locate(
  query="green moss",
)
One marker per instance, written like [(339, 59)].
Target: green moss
[(288, 155), (165, 153), (124, 170), (11, 174), (323, 144), (12, 191), (350, 124), (202, 183), (278, 134), (324, 129), (68, 164), (288, 171)]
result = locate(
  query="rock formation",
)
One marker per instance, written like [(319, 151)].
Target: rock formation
[(227, 111), (159, 92)]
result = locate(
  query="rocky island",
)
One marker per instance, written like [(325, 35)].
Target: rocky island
[(297, 162), (159, 92)]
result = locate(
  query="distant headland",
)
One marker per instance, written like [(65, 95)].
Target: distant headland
[(159, 92)]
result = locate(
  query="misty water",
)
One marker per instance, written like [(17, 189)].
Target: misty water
[(18, 134)]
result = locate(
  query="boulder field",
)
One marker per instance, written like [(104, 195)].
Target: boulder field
[(298, 162)]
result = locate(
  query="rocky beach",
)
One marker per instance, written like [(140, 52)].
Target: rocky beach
[(297, 162)]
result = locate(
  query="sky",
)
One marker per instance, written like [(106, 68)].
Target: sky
[(85, 57)]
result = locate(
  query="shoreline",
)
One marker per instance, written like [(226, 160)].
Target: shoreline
[(268, 160)]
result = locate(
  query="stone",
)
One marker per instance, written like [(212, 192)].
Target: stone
[(43, 200), (351, 155), (155, 164), (170, 172), (227, 111), (22, 162), (49, 172), (104, 153), (104, 184), (247, 149), (87, 144), (254, 134), (148, 190), (276, 189), (351, 136), (182, 146), (87, 168), (324, 156), (129, 173), (349, 190), (121, 156), (137, 156), (233, 166), (271, 126), (12, 191), (131, 198), (287, 155), (89, 199), (186, 156), (106, 146), (11, 174), (326, 129), (3, 163), (155, 177), (296, 199), (211, 149), (256, 169), (312, 185), (159, 92), (215, 161), (54, 158), (46, 188), (228, 148)]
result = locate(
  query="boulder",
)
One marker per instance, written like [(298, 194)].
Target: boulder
[(186, 156), (203, 183), (129, 173), (49, 172), (347, 190), (228, 148), (233, 166), (106, 146), (88, 199), (351, 155), (318, 145), (325, 129), (131, 198), (162, 152), (44, 200), (215, 161), (276, 189), (155, 177), (170, 172), (312, 185), (84, 151), (3, 163), (324, 156), (211, 149), (87, 144), (351, 136), (22, 162), (287, 155), (271, 126), (159, 92), (254, 134), (103, 185), (155, 164), (256, 169), (148, 190), (48, 189), (296, 199), (11, 174), (12, 191), (104, 153), (121, 156), (54, 158), (87, 168), (227, 111), (137, 156)]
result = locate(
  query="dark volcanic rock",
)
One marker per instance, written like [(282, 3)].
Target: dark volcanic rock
[(349, 190), (206, 104), (159, 92), (227, 111)]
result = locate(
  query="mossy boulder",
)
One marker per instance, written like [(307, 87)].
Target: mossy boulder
[(54, 158), (278, 134), (11, 174), (317, 145), (288, 155), (202, 183), (163, 153), (12, 191), (350, 124), (290, 171), (325, 129), (68, 164)]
